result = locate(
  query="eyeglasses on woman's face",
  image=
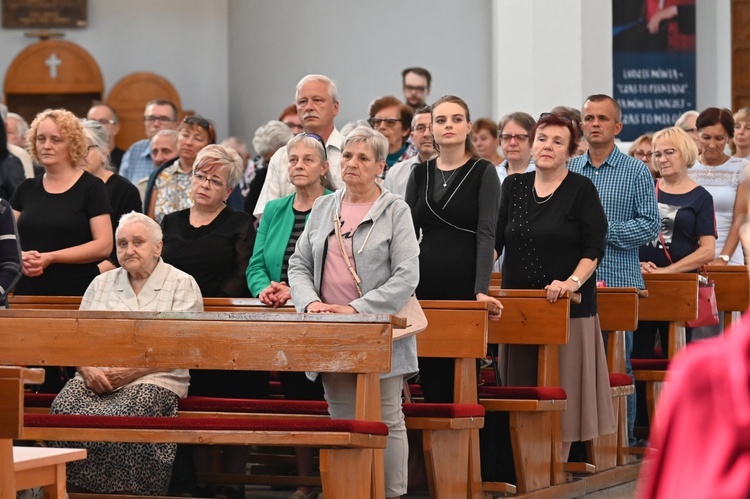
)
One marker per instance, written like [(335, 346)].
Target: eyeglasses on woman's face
[(212, 181)]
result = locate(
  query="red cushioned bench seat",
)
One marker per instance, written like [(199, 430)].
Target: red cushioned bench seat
[(424, 410), (227, 431), (619, 379), (261, 406)]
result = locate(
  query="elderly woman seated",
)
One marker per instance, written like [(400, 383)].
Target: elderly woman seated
[(143, 283)]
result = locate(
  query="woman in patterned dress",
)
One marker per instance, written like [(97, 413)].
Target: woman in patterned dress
[(143, 283)]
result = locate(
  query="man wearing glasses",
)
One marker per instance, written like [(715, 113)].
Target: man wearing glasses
[(421, 137), (108, 118), (137, 163), (416, 83)]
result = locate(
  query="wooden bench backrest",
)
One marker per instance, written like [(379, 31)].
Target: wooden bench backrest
[(617, 308), (358, 343), (529, 319), (671, 297), (732, 288), (457, 330)]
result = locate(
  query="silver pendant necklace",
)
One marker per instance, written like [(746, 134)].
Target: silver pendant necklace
[(445, 181)]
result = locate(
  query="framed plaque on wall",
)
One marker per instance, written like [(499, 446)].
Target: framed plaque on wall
[(26, 14)]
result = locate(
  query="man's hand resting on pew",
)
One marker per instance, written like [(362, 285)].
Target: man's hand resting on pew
[(317, 307)]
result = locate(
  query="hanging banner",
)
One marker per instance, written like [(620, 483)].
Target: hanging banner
[(653, 58)]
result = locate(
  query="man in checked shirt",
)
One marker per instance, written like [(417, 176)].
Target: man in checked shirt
[(626, 190)]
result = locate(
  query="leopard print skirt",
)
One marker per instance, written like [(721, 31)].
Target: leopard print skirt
[(142, 469)]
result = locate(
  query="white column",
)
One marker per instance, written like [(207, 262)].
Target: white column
[(549, 52)]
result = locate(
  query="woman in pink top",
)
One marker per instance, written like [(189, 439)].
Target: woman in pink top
[(378, 238)]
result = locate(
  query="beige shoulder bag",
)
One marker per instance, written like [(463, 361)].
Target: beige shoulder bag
[(416, 321)]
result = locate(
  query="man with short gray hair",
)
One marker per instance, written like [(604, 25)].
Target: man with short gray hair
[(317, 105)]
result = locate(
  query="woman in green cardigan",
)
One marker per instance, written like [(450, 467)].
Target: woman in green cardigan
[(281, 225)]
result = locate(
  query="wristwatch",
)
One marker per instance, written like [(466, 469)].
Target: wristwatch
[(725, 258), (576, 280)]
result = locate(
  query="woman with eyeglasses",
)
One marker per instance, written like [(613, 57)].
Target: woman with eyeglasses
[(123, 196), (688, 233), (213, 242), (392, 118), (740, 143), (168, 186), (641, 149), (515, 129), (553, 229), (725, 178), (454, 200)]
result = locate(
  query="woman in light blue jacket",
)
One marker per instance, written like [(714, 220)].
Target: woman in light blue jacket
[(378, 238)]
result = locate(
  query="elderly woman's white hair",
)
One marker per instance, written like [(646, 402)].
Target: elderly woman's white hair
[(346, 129), (21, 124), (98, 137), (153, 228), (218, 155), (366, 135), (270, 137), (682, 120)]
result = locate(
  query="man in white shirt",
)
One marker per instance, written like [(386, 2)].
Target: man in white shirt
[(317, 105), (421, 137)]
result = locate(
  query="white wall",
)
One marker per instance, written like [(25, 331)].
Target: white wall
[(184, 41), (363, 46), (550, 52), (238, 61)]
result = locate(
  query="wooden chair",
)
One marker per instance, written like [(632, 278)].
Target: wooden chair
[(27, 467), (456, 330), (618, 312), (535, 424), (672, 298)]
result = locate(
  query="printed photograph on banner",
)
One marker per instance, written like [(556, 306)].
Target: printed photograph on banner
[(653, 59)]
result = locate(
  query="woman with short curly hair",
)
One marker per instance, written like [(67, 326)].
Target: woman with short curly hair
[(63, 216)]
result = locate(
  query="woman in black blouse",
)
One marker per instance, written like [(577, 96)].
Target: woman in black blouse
[(552, 227), (123, 196), (454, 200), (213, 242)]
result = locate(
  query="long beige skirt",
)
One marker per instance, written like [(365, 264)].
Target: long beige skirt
[(583, 375)]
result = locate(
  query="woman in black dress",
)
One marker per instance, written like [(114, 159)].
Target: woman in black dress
[(123, 196), (63, 217), (454, 199), (553, 228)]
